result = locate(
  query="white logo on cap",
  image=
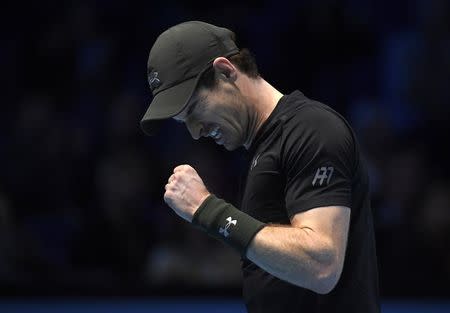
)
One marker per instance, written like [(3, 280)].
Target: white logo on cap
[(153, 80)]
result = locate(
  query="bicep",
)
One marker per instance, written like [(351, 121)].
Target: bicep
[(330, 224)]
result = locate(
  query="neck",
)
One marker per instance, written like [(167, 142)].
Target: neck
[(263, 98)]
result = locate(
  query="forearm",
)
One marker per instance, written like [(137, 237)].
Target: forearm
[(297, 255)]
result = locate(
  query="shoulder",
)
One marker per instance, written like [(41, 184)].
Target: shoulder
[(315, 131), (318, 118), (315, 122)]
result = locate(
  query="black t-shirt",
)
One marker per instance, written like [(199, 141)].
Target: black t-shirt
[(304, 156)]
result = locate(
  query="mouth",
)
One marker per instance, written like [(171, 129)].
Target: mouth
[(216, 134)]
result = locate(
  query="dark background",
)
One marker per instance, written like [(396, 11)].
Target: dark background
[(81, 187)]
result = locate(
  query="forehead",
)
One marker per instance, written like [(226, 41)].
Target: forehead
[(181, 117), (197, 97)]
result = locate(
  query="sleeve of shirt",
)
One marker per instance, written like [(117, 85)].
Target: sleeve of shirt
[(318, 159)]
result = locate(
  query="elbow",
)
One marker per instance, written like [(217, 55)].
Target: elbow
[(323, 281), (325, 285), (327, 278)]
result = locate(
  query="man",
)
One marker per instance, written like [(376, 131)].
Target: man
[(305, 228)]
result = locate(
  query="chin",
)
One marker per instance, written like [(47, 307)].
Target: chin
[(230, 147)]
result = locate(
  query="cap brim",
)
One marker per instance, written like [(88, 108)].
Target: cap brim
[(167, 104)]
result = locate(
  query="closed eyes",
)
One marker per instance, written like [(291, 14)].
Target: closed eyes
[(192, 108)]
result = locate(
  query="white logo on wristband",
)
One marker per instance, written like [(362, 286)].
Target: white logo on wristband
[(224, 230)]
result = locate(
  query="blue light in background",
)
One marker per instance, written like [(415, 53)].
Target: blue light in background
[(185, 306)]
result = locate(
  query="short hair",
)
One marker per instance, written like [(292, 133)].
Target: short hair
[(244, 60)]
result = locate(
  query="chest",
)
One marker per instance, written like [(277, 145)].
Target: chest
[(264, 193)]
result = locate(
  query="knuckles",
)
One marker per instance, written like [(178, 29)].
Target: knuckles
[(168, 196), (183, 168)]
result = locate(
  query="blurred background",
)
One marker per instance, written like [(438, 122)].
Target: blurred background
[(81, 187)]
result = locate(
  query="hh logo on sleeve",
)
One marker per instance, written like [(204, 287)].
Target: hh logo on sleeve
[(323, 175)]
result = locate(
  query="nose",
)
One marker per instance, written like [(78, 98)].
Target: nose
[(196, 129)]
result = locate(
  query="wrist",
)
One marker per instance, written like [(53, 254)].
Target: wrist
[(226, 223), (202, 201)]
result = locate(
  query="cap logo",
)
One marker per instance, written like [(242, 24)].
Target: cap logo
[(153, 80)]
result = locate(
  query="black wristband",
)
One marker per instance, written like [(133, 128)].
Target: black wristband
[(224, 222)]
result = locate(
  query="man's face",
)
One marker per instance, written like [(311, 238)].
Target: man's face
[(220, 113)]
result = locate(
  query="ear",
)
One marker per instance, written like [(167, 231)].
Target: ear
[(224, 66)]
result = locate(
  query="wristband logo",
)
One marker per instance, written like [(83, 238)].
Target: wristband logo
[(224, 230)]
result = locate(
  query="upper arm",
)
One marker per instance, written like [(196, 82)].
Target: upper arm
[(330, 225), (329, 221), (319, 161)]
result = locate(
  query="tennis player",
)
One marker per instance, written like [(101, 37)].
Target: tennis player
[(304, 229)]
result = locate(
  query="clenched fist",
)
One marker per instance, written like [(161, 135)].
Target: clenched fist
[(185, 191)]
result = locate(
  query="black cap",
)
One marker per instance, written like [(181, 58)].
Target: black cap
[(176, 61)]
